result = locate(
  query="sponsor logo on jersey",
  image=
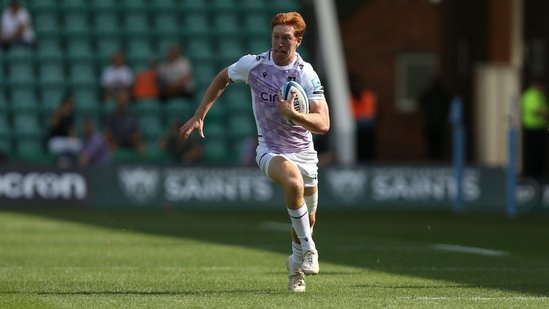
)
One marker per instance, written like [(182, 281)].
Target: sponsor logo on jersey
[(269, 96)]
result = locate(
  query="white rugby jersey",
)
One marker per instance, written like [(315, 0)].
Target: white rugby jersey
[(265, 79)]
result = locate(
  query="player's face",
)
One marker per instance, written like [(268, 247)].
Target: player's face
[(284, 44)]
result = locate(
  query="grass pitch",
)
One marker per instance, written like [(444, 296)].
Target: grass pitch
[(81, 258)]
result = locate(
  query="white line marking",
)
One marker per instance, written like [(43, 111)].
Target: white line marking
[(472, 250), (276, 226), (479, 298)]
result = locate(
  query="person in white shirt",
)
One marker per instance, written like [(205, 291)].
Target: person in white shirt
[(116, 77), (16, 26), (176, 75)]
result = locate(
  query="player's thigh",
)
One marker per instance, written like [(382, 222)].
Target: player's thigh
[(285, 173)]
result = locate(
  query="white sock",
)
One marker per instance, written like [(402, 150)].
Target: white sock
[(297, 253), (300, 223)]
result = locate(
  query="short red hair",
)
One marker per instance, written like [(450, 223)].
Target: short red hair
[(293, 19)]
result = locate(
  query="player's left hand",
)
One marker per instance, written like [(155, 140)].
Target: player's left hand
[(286, 107)]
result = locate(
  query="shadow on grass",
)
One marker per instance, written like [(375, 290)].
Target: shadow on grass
[(390, 242)]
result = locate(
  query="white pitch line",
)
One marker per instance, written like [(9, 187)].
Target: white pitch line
[(472, 250), (276, 226), (479, 298)]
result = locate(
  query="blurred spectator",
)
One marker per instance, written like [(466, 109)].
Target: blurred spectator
[(187, 151), (176, 76), (16, 26), (435, 104), (535, 113), (116, 77), (146, 83), (62, 139), (364, 107), (94, 148), (122, 128)]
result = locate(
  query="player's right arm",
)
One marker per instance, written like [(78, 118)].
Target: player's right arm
[(215, 89)]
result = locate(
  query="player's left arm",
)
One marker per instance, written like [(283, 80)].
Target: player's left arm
[(317, 120)]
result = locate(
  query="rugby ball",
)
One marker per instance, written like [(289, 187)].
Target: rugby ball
[(301, 102)]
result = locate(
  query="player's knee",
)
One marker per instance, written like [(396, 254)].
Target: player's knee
[(294, 186)]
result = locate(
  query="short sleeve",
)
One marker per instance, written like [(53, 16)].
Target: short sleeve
[(311, 84), (239, 71)]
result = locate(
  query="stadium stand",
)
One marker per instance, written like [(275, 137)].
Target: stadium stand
[(75, 39)]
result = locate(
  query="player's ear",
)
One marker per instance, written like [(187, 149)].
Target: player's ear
[(298, 41)]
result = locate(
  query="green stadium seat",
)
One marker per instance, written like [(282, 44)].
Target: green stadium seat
[(151, 127), (251, 7), (226, 26), (242, 125), (191, 7), (79, 50), (20, 55), (82, 76), (21, 74), (199, 49), (86, 102), (106, 25), (132, 6), (284, 6), (230, 51), (158, 6), (106, 48), (197, 25), (225, 6), (218, 113), (136, 25), (103, 6), (39, 7), (76, 25), (26, 126), (74, 5), (204, 72), (238, 99), (165, 25), (178, 110), (126, 156), (51, 75), (5, 128), (147, 107), (31, 150), (139, 50), (4, 105), (259, 45), (47, 25), (50, 98), (49, 50), (6, 148), (257, 27), (215, 129), (24, 101), (216, 151)]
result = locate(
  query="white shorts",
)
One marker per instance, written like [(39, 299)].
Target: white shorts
[(306, 163)]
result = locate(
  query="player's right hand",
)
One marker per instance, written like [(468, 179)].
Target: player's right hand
[(192, 124)]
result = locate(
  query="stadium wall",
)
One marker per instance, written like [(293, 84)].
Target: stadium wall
[(357, 188)]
